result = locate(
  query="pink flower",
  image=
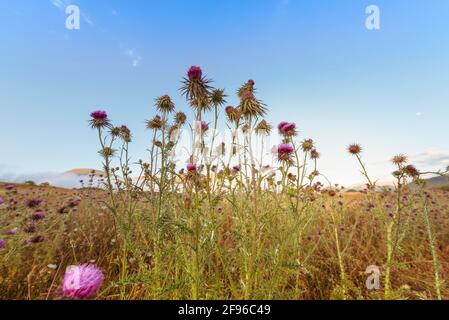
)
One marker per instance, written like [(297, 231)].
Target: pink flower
[(38, 216), (285, 151), (81, 282), (32, 203), (2, 244), (1, 201), (191, 167), (229, 109), (204, 126), (99, 119), (287, 129), (195, 73), (251, 82)]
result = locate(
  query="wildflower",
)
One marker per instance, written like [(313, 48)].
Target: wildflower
[(38, 239), (180, 118), (2, 244), (314, 154), (287, 129), (194, 73), (107, 152), (12, 232), (229, 110), (285, 152), (399, 159), (250, 106), (263, 128), (202, 127), (355, 149), (196, 88), (307, 145), (236, 169), (411, 171), (99, 119), (81, 282), (217, 97), (115, 132), (233, 114), (247, 87), (9, 187), (155, 123), (1, 201), (38, 216), (191, 167), (125, 133), (164, 104), (32, 203)]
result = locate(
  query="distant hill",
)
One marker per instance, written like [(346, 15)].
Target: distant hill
[(437, 182)]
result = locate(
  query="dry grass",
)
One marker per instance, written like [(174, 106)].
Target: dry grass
[(294, 255)]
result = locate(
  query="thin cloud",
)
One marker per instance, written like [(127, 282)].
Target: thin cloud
[(60, 4), (434, 158), (133, 56)]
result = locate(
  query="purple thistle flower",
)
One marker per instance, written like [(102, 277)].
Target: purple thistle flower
[(99, 115), (287, 129), (12, 232), (281, 125), (38, 216), (81, 282), (32, 203), (99, 119), (194, 73), (9, 187), (191, 167), (285, 151), (1, 201), (2, 244)]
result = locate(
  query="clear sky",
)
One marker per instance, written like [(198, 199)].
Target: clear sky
[(314, 63)]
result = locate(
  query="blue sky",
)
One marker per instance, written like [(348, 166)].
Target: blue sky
[(314, 62)]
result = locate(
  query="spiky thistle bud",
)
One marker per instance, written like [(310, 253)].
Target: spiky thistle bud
[(218, 97), (263, 128), (180, 118), (307, 145), (355, 149), (314, 154), (155, 123), (125, 133), (399, 159), (165, 104)]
